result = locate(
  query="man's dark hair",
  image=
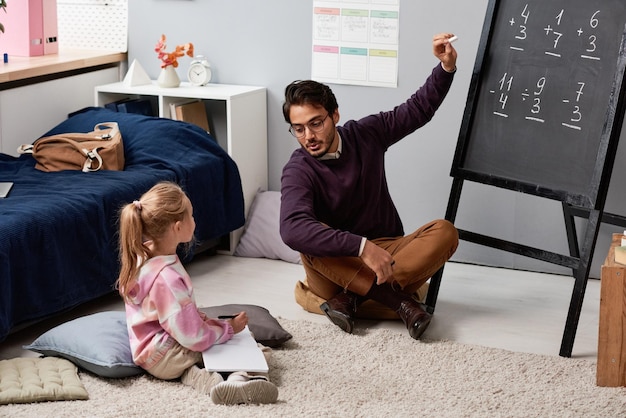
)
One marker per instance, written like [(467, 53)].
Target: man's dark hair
[(303, 92)]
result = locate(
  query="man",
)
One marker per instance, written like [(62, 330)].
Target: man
[(336, 209)]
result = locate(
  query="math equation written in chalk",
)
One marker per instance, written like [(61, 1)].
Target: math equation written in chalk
[(551, 58), (545, 98)]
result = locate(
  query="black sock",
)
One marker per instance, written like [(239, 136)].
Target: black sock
[(386, 295)]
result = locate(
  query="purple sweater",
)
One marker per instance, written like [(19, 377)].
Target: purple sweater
[(327, 206)]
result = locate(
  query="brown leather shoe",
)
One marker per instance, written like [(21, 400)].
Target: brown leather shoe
[(415, 317), (340, 309)]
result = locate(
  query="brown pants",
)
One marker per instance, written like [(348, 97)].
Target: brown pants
[(417, 257)]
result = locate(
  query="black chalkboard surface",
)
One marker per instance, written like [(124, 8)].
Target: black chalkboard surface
[(543, 116), (541, 112)]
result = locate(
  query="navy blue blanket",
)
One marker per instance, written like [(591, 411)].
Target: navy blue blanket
[(58, 231)]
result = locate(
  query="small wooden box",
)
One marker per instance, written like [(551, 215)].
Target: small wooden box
[(611, 366)]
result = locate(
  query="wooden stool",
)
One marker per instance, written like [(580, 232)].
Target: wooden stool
[(611, 366)]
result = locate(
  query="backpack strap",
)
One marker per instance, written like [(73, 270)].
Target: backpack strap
[(91, 157), (25, 149)]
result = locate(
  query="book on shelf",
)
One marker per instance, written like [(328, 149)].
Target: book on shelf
[(113, 105), (240, 353), (140, 106), (191, 111)]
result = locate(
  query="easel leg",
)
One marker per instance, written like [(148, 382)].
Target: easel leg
[(581, 274), (570, 229), (435, 281)]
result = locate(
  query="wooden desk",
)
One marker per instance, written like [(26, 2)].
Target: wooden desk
[(22, 68), (611, 367)]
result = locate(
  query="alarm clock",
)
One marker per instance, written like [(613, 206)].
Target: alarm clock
[(199, 73)]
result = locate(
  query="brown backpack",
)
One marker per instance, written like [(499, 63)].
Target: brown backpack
[(100, 149)]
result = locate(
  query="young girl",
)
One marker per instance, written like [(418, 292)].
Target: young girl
[(167, 331)]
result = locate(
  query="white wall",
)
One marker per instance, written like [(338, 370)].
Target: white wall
[(268, 43)]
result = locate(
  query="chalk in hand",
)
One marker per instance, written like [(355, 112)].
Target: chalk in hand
[(453, 38)]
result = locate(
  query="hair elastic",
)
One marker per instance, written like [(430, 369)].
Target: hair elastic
[(137, 204)]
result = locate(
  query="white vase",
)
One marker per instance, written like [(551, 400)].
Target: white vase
[(168, 77)]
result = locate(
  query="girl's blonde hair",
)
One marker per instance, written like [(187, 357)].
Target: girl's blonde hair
[(143, 220)]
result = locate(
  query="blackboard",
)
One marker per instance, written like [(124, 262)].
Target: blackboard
[(541, 111), (543, 116)]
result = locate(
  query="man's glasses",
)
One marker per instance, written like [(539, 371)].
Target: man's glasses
[(315, 126)]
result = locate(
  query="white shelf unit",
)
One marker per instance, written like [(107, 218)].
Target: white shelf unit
[(237, 119)]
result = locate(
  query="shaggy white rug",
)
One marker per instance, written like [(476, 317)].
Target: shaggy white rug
[(323, 372)]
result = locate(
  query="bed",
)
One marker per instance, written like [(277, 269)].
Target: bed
[(58, 231)]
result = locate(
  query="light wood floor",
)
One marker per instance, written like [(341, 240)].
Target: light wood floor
[(508, 309)]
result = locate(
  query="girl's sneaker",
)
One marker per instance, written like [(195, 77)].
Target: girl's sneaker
[(242, 388)]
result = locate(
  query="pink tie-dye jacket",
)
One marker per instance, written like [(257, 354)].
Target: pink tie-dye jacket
[(162, 308)]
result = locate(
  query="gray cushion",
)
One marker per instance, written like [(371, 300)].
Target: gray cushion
[(262, 324), (98, 343), (261, 236)]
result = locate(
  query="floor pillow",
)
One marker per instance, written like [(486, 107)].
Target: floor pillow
[(262, 324), (261, 236), (98, 343), (32, 379)]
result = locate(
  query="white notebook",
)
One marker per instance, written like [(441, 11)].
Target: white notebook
[(240, 353), (4, 188)]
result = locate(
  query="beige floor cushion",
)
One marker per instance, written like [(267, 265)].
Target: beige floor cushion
[(26, 379)]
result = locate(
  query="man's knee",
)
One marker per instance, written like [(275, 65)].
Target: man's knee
[(443, 228), (447, 234), (449, 231)]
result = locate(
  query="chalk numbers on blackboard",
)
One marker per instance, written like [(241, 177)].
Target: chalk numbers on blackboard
[(531, 96), (522, 26)]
